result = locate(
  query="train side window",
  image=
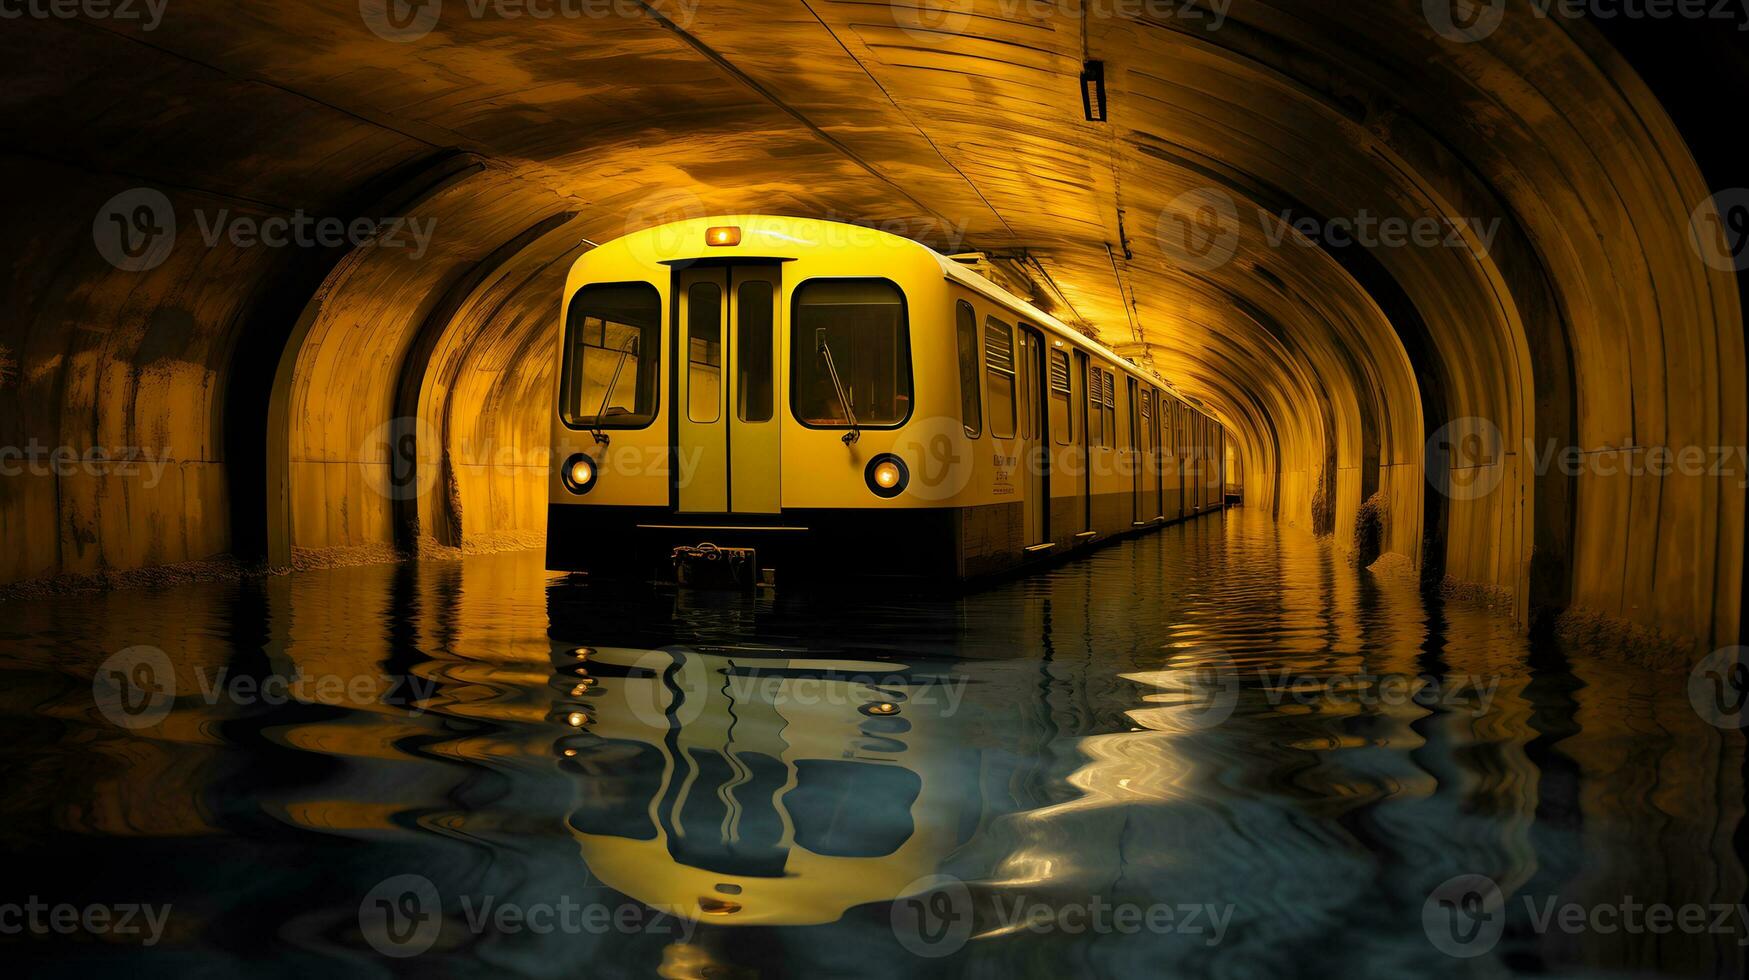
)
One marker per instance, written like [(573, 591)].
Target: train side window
[(704, 352), (624, 777), (612, 336), (999, 355), (1140, 418), (1156, 429), (1095, 417), (1101, 409), (754, 372), (971, 393), (1062, 420), (852, 809), (864, 326), (1110, 406)]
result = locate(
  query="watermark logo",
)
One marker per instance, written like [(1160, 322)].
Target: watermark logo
[(664, 689), (1463, 458), (929, 20), (1718, 230), (135, 230), (135, 688), (402, 916), (1466, 459), (1464, 21), (1391, 690), (1468, 21), (662, 210), (1210, 685), (1718, 687), (935, 449), (877, 696), (1199, 229), (389, 458), (934, 919), (1464, 916), (1368, 230), (937, 916), (400, 21)]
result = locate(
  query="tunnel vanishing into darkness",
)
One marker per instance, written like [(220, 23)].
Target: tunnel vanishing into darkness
[(1565, 290)]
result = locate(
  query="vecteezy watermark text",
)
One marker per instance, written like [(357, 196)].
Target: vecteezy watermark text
[(928, 20), (1468, 21), (135, 230), (147, 13), (35, 459), (137, 688), (36, 917), (1466, 915), (1464, 459), (403, 916), (937, 914), (409, 20), (1210, 690), (1199, 230)]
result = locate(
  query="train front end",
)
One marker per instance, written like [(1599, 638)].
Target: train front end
[(756, 399)]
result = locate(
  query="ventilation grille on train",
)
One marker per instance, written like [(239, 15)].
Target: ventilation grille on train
[(999, 347), (1060, 372), (1107, 388)]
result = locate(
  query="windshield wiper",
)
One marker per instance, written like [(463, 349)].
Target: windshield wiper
[(630, 349), (838, 386)]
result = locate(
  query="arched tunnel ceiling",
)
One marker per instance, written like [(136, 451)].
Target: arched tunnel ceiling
[(1561, 298)]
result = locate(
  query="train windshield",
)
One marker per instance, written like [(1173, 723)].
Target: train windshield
[(612, 348), (862, 323)]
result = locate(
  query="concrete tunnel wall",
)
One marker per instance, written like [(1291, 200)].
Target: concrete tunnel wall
[(285, 389)]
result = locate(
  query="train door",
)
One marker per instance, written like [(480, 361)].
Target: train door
[(1082, 404), (1133, 447), (1147, 456), (1180, 456), (1193, 462), (1034, 438), (1199, 470), (725, 390), (1221, 467)]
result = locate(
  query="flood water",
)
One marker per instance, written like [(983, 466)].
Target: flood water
[(1215, 750)]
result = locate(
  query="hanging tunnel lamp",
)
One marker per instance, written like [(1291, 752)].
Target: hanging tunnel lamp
[(1093, 90)]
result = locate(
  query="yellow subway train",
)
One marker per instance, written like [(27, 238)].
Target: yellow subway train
[(845, 402)]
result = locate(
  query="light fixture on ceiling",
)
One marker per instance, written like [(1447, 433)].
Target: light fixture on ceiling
[(1093, 90)]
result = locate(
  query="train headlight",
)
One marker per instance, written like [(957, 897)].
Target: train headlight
[(886, 475), (580, 473)]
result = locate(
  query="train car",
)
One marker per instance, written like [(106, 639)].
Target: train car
[(844, 402)]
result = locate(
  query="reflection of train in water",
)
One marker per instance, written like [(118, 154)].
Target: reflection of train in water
[(744, 788), (822, 391)]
